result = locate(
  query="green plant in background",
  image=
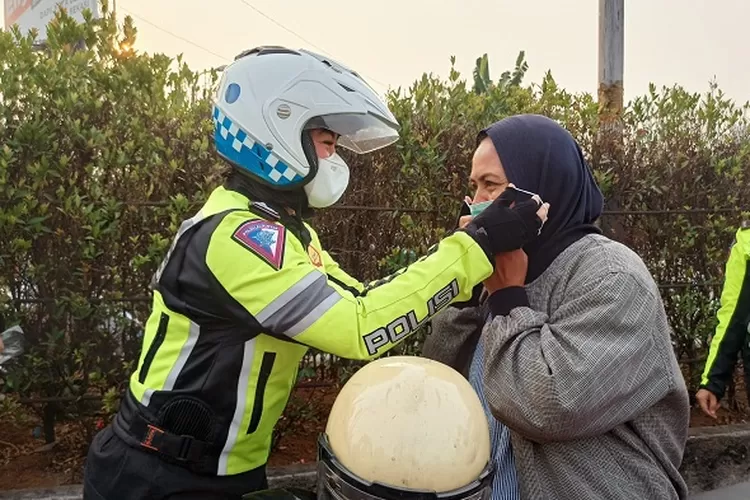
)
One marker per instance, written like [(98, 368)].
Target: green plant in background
[(104, 150), (90, 132), (482, 81), (680, 151)]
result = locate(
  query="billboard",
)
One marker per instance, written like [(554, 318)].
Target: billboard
[(37, 13)]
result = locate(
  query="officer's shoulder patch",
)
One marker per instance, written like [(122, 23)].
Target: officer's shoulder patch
[(745, 224), (265, 239), (315, 257)]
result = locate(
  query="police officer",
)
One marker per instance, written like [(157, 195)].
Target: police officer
[(732, 332), (246, 287)]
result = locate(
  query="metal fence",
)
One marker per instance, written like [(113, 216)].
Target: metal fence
[(321, 367)]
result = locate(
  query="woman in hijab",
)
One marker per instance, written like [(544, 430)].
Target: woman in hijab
[(568, 345)]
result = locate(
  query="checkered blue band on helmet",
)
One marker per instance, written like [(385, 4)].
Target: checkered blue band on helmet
[(234, 144)]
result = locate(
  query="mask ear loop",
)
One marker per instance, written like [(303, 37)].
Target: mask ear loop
[(308, 147)]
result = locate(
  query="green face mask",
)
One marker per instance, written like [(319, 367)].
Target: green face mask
[(478, 208)]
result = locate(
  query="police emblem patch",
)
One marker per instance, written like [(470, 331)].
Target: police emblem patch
[(263, 238), (314, 255)]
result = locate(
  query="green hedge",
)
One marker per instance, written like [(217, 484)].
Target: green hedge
[(103, 151)]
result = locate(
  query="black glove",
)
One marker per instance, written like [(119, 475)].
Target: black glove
[(476, 294), (500, 228)]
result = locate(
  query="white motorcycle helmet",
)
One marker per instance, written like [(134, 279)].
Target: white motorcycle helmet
[(405, 427), (269, 99)]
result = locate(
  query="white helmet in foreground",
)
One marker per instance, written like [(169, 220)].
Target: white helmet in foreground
[(269, 99), (405, 425)]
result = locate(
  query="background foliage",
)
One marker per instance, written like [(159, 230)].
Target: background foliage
[(103, 151)]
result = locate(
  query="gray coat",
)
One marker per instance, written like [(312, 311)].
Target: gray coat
[(585, 378)]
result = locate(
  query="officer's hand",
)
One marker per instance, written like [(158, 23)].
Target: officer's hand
[(505, 226), (708, 402), (465, 216)]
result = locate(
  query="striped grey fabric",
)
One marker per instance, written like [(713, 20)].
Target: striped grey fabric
[(505, 480), (585, 378)]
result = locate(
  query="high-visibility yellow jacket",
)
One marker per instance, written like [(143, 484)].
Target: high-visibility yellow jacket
[(731, 334), (238, 300)]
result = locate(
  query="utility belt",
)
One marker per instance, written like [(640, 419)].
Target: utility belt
[(155, 436)]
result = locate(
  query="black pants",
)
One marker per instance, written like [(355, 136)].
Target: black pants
[(115, 470)]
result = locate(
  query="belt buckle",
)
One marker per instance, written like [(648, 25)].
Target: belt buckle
[(152, 432), (186, 442)]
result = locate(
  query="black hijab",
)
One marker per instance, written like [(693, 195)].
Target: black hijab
[(540, 156)]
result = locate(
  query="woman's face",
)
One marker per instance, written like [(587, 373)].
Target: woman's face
[(487, 179), (324, 141)]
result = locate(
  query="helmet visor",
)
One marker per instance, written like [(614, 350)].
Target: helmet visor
[(335, 482), (360, 133)]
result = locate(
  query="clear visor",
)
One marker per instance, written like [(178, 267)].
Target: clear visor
[(332, 486), (360, 133), (335, 482)]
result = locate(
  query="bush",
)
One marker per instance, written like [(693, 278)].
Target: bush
[(103, 151), (675, 184)]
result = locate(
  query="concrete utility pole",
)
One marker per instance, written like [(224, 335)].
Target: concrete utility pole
[(608, 152), (611, 60)]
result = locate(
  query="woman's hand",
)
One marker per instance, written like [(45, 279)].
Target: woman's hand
[(510, 271)]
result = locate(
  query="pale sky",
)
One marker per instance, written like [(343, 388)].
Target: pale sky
[(392, 42)]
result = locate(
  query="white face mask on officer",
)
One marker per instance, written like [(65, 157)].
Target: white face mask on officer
[(332, 178), (329, 184)]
